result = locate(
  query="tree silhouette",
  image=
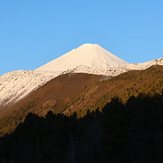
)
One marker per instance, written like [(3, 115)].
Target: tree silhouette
[(123, 132)]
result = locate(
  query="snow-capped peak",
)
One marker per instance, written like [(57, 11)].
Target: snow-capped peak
[(89, 55), (88, 58)]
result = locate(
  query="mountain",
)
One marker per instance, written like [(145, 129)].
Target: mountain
[(88, 58), (59, 114), (89, 55), (17, 84)]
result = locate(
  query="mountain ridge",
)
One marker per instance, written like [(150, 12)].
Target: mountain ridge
[(16, 85), (79, 92)]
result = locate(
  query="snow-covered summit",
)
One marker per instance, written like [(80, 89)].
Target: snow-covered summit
[(89, 55)]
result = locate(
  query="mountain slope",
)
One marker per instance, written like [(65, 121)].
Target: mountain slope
[(74, 92), (17, 84), (116, 70), (79, 92)]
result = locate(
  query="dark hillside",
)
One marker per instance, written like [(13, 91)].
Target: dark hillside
[(126, 133), (80, 92)]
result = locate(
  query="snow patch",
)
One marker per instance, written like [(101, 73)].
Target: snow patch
[(116, 70), (17, 84)]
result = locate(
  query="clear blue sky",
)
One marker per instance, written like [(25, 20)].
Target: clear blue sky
[(34, 32)]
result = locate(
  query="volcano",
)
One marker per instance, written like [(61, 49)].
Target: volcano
[(88, 55)]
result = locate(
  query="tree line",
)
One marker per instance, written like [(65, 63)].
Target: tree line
[(120, 133)]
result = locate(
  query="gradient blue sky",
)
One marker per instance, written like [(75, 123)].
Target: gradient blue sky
[(34, 32)]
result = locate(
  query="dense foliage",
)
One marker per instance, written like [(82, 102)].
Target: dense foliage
[(9, 122), (121, 133)]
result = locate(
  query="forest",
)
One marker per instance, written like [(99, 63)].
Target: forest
[(130, 132)]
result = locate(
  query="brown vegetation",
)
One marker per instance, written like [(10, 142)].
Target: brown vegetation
[(80, 92)]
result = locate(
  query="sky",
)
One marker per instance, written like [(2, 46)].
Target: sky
[(34, 32)]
